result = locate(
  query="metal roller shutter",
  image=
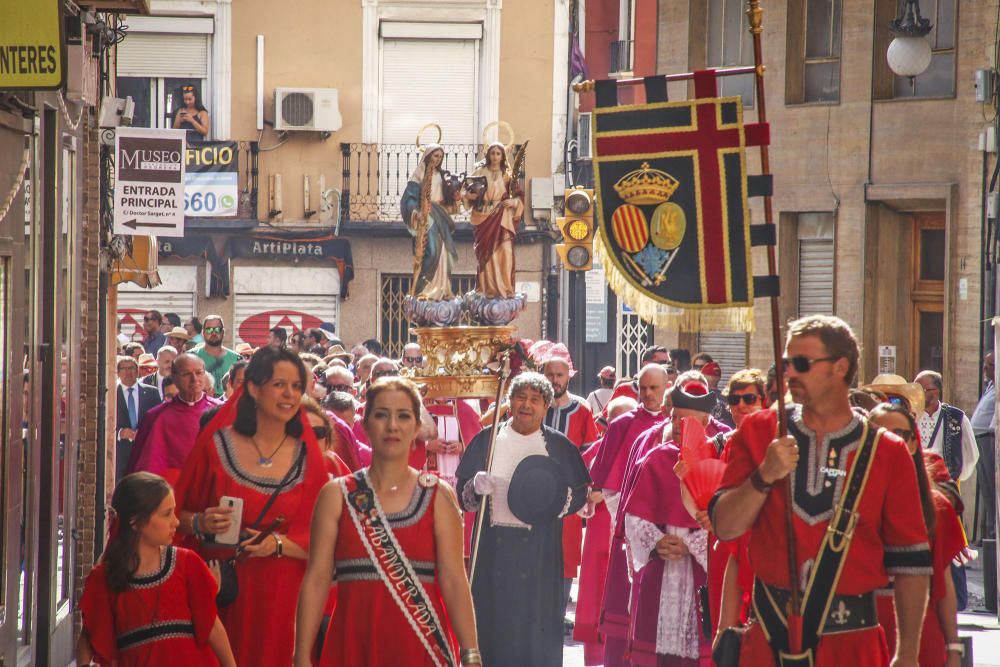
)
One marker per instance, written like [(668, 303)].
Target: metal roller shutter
[(293, 297), (728, 349), (175, 294), (152, 54), (429, 81), (816, 277)]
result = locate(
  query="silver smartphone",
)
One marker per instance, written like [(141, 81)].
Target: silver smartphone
[(232, 535)]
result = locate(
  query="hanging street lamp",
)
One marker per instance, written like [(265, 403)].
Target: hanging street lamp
[(909, 54)]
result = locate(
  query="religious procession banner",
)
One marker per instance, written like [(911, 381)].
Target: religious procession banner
[(674, 222)]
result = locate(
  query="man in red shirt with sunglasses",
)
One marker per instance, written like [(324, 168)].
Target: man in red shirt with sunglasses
[(852, 525)]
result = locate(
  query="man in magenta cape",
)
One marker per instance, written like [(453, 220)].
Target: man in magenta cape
[(618, 584), (608, 474), (168, 433), (667, 547)]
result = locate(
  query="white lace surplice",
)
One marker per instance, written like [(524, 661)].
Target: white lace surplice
[(677, 628)]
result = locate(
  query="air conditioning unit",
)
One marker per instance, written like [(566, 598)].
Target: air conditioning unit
[(309, 109), (584, 149)]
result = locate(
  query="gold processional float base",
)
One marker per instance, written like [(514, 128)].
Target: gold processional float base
[(460, 362)]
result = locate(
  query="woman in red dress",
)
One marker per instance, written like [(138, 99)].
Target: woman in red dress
[(147, 602), (257, 446), (394, 536), (939, 643)]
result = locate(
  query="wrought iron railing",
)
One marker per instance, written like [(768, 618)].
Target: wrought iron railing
[(375, 176), (620, 56)]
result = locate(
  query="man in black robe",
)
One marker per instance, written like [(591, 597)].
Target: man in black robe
[(517, 581)]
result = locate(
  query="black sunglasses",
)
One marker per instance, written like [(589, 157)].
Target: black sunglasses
[(413, 360), (803, 364), (321, 432), (340, 387), (748, 399), (385, 374)]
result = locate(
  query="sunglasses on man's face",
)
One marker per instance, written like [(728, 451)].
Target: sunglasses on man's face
[(748, 399), (214, 330), (321, 432), (340, 387), (413, 360), (384, 374), (803, 364)]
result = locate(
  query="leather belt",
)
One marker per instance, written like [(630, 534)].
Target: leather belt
[(847, 613)]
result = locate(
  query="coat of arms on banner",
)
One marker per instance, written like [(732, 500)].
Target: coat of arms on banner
[(672, 198)]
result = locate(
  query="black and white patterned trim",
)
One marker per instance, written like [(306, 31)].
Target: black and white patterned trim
[(414, 511), (814, 501), (909, 559), (154, 632), (362, 569), (265, 485), (168, 561)]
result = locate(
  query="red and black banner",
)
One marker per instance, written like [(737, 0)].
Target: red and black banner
[(672, 188)]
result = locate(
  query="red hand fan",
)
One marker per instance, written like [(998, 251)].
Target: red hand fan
[(703, 480), (695, 446)]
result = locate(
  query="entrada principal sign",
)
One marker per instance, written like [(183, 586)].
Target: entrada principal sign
[(31, 45)]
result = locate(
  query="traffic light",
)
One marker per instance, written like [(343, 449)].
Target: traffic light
[(577, 228)]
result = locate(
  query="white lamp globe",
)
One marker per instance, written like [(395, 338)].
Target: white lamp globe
[(909, 56)]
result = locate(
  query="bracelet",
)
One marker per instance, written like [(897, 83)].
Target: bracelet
[(471, 656), (758, 483), (196, 526), (279, 547), (957, 647)]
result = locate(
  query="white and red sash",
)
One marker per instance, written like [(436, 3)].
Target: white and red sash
[(395, 569)]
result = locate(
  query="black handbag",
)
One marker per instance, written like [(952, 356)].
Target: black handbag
[(229, 586)]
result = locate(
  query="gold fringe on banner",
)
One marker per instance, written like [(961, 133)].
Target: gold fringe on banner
[(690, 320)]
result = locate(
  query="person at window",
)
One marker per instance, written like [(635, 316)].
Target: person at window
[(192, 117)]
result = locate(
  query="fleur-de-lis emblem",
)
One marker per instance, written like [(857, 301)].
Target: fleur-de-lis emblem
[(841, 615)]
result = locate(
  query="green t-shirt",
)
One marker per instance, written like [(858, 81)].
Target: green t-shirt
[(217, 366)]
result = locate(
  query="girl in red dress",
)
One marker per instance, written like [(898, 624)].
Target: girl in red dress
[(939, 642), (394, 536), (149, 603), (257, 446)]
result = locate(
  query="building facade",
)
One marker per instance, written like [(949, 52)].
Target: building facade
[(880, 183), (324, 116)]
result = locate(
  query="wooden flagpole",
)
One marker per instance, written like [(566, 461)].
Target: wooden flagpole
[(755, 15), (503, 373)]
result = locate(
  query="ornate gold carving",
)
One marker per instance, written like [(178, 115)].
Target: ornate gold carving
[(456, 360), (756, 15)]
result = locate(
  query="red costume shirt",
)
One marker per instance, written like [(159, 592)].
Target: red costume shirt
[(161, 619)]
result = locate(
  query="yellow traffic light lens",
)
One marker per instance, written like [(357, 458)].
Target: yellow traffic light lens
[(578, 230), (578, 256), (578, 202)]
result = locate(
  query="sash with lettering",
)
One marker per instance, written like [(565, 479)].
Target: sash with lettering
[(395, 569), (672, 189)]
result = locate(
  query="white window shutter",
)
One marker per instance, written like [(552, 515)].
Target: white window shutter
[(157, 54)]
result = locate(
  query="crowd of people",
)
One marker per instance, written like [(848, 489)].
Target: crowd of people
[(345, 519)]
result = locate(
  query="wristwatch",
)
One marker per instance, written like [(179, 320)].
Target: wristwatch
[(957, 647), (758, 483)]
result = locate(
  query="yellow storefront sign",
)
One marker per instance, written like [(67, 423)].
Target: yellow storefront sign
[(31, 45)]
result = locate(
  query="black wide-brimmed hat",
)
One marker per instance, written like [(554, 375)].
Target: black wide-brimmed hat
[(537, 491)]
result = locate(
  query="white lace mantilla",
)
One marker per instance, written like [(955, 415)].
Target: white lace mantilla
[(677, 628)]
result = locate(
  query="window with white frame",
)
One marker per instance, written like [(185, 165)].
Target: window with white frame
[(429, 73), (159, 60), (729, 45)]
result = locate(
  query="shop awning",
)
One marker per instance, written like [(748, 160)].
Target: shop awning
[(139, 266)]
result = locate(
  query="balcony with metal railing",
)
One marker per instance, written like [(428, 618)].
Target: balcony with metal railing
[(375, 175), (620, 58)]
